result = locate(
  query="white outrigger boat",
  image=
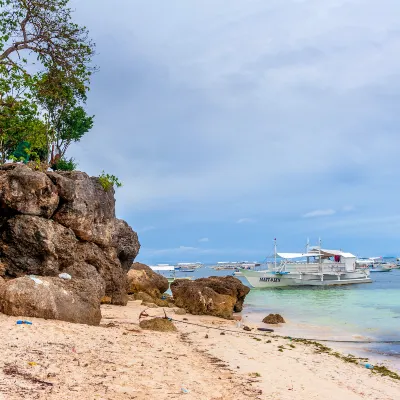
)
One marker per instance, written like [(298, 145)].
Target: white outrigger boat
[(316, 267)]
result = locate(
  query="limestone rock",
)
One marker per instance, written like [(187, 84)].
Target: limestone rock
[(126, 241), (158, 324), (27, 192), (86, 207), (52, 298), (274, 319), (37, 246), (218, 296), (142, 278), (57, 222), (180, 311)]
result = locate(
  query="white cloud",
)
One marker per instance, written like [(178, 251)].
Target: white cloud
[(319, 213), (348, 208), (204, 240), (245, 221)]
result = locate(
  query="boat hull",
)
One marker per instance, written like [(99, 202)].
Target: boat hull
[(268, 279)]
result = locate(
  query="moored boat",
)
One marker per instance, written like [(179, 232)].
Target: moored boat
[(315, 267)]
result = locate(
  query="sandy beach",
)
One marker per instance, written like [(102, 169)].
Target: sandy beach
[(118, 360)]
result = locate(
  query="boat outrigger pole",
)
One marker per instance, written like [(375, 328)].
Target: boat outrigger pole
[(275, 254)]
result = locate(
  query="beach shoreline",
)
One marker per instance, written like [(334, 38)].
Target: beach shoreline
[(119, 361)]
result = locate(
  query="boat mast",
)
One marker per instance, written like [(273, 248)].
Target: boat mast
[(275, 253), (319, 252), (307, 249)]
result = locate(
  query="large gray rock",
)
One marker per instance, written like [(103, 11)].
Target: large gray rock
[(52, 298), (126, 241), (27, 192), (37, 246), (218, 296), (86, 207), (142, 278), (58, 222)]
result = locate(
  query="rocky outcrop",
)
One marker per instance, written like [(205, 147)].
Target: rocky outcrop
[(27, 192), (273, 319), (52, 223), (218, 296), (75, 300), (142, 278)]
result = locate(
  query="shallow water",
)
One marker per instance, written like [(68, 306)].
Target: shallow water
[(353, 312)]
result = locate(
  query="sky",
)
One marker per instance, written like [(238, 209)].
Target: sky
[(231, 123)]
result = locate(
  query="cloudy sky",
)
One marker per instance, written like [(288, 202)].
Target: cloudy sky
[(233, 122)]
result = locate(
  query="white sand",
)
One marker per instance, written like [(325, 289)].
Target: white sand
[(122, 362)]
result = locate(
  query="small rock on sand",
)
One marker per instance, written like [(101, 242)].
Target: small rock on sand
[(158, 324), (274, 319)]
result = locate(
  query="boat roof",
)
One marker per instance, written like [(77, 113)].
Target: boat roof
[(315, 252), (163, 268), (295, 255)]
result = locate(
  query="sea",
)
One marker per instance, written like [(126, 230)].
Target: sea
[(343, 314)]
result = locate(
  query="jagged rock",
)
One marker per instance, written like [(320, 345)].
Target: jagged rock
[(143, 296), (37, 246), (142, 278), (158, 324), (126, 241), (86, 207), (53, 298), (218, 296), (27, 192), (273, 319), (57, 222)]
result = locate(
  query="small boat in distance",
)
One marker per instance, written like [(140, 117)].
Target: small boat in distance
[(160, 268), (375, 264)]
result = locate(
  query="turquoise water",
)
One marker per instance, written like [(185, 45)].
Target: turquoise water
[(353, 312)]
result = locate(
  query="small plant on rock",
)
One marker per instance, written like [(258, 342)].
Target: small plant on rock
[(108, 181)]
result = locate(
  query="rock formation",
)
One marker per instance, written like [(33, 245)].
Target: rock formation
[(142, 278), (58, 222), (273, 319), (218, 296), (72, 300)]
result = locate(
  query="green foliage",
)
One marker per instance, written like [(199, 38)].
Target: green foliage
[(41, 96), (64, 165), (108, 181)]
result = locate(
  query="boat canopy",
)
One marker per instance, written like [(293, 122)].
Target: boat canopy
[(296, 255), (163, 268), (315, 253)]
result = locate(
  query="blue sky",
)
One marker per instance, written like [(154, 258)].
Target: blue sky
[(234, 122)]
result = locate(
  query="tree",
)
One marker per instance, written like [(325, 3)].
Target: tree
[(44, 57), (18, 123), (44, 28), (62, 99)]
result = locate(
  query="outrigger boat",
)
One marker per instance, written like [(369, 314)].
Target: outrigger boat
[(375, 264), (315, 267)]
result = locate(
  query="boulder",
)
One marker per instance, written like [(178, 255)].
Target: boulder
[(126, 241), (27, 192), (273, 319), (158, 324), (56, 222), (37, 246), (142, 278), (72, 300), (218, 296), (86, 207)]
